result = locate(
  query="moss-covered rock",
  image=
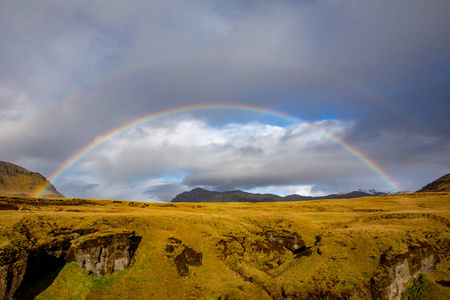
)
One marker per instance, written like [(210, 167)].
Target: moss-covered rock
[(24, 271)]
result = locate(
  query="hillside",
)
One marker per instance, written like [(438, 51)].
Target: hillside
[(201, 195), (439, 185), (18, 181), (381, 247)]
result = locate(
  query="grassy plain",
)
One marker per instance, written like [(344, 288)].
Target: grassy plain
[(344, 240)]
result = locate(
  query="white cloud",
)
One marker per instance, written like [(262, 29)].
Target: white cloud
[(235, 156), (303, 190)]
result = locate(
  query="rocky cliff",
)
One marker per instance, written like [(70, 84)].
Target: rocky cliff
[(12, 270), (25, 269), (396, 270), (105, 252)]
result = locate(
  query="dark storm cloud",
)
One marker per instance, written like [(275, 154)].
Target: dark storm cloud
[(79, 187), (165, 192)]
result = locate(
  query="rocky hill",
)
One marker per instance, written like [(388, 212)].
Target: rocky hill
[(439, 185), (201, 195), (18, 181)]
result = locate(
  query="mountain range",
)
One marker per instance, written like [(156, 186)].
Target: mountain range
[(201, 195), (18, 181), (441, 184)]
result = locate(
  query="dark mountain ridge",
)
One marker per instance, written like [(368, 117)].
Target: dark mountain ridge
[(201, 195), (441, 184)]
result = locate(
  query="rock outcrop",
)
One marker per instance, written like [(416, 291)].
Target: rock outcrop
[(284, 239), (256, 257), (12, 270), (183, 256), (100, 252), (396, 270), (106, 252)]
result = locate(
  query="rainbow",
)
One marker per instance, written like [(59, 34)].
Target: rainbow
[(185, 109), (285, 65)]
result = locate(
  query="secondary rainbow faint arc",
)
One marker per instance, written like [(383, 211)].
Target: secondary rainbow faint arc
[(118, 73), (147, 118)]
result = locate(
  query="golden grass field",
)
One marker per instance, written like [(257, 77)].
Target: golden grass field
[(345, 241)]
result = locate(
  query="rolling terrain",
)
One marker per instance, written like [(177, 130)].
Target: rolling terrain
[(18, 181), (383, 247)]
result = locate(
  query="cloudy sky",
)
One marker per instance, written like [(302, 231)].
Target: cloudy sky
[(307, 97)]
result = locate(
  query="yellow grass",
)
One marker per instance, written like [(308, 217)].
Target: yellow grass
[(354, 234)]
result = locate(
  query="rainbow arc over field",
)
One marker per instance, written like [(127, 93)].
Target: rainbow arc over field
[(97, 142)]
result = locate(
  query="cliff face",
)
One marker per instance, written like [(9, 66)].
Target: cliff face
[(18, 181), (396, 270), (105, 253), (12, 269), (403, 271), (100, 252)]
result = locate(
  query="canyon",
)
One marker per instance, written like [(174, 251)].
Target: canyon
[(378, 247)]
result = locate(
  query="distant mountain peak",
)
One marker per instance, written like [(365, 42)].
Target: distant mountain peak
[(18, 181)]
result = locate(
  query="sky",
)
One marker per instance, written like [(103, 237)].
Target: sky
[(142, 100)]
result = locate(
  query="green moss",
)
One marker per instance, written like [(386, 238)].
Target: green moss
[(422, 288), (73, 283), (101, 234)]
